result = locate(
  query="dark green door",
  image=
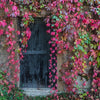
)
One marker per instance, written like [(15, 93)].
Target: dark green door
[(34, 66)]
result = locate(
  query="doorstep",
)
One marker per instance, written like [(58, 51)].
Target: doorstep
[(37, 92)]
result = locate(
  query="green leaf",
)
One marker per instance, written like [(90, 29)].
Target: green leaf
[(91, 45), (90, 58), (98, 11), (25, 8), (73, 57), (81, 96), (61, 6), (30, 7), (98, 62), (84, 94), (75, 47), (49, 98), (60, 16), (81, 0), (4, 98), (41, 1), (80, 48), (26, 22), (0, 76), (34, 9), (95, 46), (22, 34), (42, 6), (21, 94), (82, 42), (98, 54), (85, 52), (55, 17), (23, 18), (31, 18)]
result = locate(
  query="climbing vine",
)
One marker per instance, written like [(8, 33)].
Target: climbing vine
[(74, 29)]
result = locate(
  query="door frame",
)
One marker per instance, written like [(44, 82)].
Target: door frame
[(19, 83)]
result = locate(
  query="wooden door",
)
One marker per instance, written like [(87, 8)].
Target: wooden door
[(34, 67)]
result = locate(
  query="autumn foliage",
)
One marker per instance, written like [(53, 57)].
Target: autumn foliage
[(74, 28)]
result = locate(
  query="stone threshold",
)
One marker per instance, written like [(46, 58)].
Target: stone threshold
[(37, 92)]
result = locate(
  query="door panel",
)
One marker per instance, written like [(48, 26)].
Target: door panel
[(34, 71)]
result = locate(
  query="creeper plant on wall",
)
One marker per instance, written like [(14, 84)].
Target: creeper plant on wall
[(75, 28)]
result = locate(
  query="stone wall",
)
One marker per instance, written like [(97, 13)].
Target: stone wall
[(3, 53), (3, 47), (61, 58)]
